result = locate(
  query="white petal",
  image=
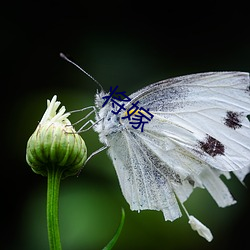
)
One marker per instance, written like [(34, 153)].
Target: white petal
[(200, 228), (51, 114)]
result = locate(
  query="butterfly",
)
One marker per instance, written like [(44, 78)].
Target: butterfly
[(200, 130)]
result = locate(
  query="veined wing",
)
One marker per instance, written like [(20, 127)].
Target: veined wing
[(205, 114), (141, 183), (181, 161), (173, 93), (153, 170)]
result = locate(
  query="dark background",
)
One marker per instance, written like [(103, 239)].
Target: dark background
[(125, 43)]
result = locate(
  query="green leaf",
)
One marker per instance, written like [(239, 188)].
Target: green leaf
[(117, 234)]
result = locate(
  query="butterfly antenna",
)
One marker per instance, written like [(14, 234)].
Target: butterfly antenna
[(68, 60)]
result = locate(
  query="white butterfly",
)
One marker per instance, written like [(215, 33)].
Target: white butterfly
[(199, 131)]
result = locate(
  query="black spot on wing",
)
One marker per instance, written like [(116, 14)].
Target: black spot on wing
[(212, 146), (233, 119)]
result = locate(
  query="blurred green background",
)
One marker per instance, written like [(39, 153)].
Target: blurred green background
[(119, 43)]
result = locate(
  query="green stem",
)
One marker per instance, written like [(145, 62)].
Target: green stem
[(54, 177)]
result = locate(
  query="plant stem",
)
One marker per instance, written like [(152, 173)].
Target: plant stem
[(54, 177)]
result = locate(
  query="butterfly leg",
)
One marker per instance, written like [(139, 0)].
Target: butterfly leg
[(81, 129), (91, 155), (84, 125), (86, 116), (96, 152)]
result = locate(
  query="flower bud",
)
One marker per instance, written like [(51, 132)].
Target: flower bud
[(55, 144)]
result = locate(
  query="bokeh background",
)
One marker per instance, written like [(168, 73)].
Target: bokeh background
[(125, 43)]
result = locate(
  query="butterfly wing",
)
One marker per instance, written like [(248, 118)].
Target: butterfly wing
[(199, 131), (213, 107), (141, 182)]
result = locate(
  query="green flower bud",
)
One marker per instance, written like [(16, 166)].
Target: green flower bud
[(55, 144)]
